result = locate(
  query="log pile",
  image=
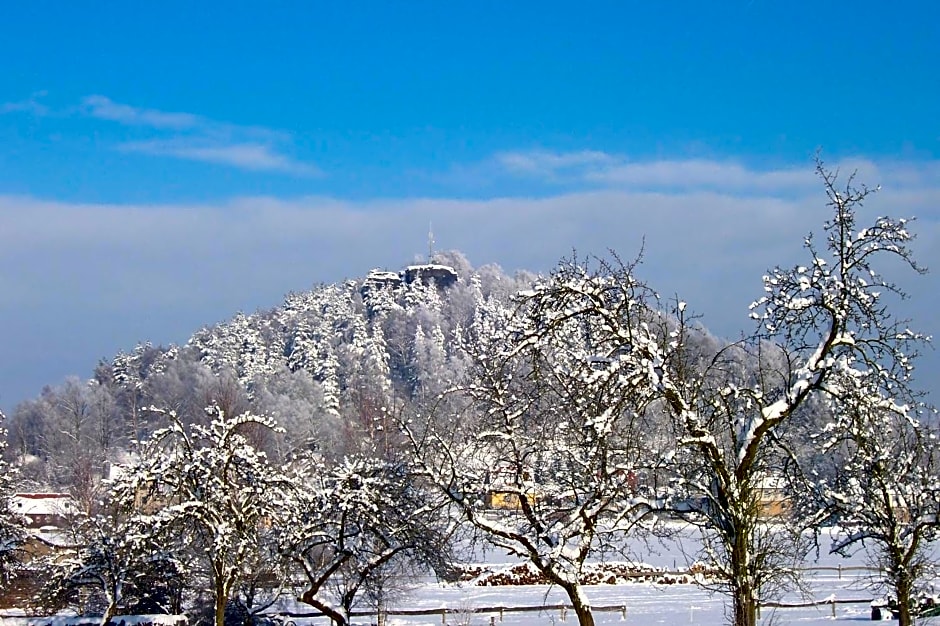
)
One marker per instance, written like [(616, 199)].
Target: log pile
[(614, 573)]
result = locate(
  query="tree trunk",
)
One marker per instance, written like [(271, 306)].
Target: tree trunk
[(219, 611), (580, 604), (109, 613), (744, 596), (221, 596), (113, 594), (745, 608), (337, 618), (904, 589)]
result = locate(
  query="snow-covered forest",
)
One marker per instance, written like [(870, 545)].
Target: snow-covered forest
[(331, 365), (364, 433)]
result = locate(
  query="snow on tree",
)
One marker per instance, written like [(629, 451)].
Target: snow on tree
[(882, 481), (295, 401), (316, 327), (12, 534), (880, 486), (543, 448), (368, 394), (215, 489), (430, 359), (120, 558), (351, 521), (818, 321), (247, 345), (129, 375)]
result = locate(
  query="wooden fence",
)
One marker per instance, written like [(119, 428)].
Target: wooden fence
[(461, 615), (497, 612)]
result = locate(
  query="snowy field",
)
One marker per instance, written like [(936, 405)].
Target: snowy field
[(646, 603), (620, 605), (668, 605)]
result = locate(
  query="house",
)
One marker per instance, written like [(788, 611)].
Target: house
[(43, 510), (772, 496), (509, 500)]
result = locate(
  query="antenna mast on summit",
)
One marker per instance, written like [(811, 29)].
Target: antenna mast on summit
[(430, 242)]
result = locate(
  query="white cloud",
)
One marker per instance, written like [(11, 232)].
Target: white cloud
[(30, 105), (700, 173), (246, 156), (704, 244), (104, 108), (544, 164), (193, 137), (594, 169)]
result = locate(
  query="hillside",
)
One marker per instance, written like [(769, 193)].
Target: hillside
[(328, 364)]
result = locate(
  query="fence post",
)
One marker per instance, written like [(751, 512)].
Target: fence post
[(443, 617), (492, 620), (500, 613), (564, 613), (840, 571), (833, 608), (623, 612)]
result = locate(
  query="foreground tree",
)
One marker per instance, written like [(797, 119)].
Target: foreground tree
[(215, 490), (589, 358), (12, 535), (550, 429), (881, 485), (350, 523), (119, 558), (824, 318), (727, 466)]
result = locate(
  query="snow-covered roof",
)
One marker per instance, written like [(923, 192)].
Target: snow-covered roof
[(29, 504)]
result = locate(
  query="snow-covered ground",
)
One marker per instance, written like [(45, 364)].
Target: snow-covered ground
[(646, 603), (622, 605)]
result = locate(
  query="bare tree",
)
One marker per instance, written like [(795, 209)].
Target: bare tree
[(881, 485), (12, 534), (352, 522), (215, 490), (825, 318), (543, 449), (727, 474)]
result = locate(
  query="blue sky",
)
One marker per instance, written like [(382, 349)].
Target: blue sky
[(165, 165)]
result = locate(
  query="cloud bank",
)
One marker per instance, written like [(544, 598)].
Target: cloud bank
[(98, 278)]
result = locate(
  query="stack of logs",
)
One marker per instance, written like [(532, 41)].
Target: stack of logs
[(593, 574)]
